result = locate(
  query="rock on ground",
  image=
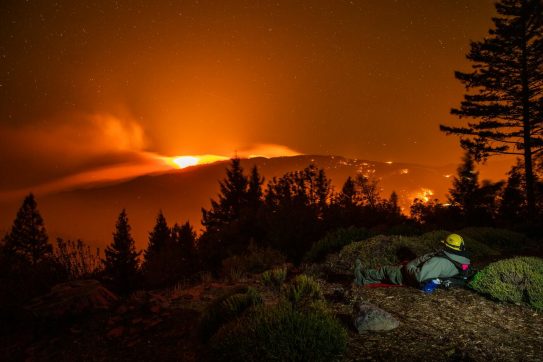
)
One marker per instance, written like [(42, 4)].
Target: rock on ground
[(368, 317)]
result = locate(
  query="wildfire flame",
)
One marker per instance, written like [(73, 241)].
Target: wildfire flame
[(423, 194), (187, 161)]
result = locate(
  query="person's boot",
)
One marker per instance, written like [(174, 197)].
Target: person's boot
[(358, 279)]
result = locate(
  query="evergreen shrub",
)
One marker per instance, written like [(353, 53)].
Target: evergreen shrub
[(303, 290), (493, 237), (274, 278), (333, 241), (515, 280), (226, 308), (281, 333), (255, 260)]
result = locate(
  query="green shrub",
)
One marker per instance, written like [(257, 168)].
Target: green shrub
[(226, 308), (280, 333), (513, 280), (502, 238), (274, 278), (334, 241), (382, 249), (253, 261), (234, 275), (303, 290)]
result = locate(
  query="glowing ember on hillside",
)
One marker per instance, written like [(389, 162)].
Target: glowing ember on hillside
[(186, 161), (424, 194)]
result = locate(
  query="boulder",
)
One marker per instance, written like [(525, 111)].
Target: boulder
[(368, 317), (71, 299)]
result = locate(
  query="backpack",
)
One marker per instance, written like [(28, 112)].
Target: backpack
[(465, 273)]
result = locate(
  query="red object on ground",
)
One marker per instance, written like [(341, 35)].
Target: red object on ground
[(382, 285)]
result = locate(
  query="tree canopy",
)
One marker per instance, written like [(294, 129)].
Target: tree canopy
[(505, 89), (28, 238)]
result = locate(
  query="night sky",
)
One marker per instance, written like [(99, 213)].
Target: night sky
[(94, 84)]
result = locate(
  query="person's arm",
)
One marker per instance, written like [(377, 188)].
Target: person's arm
[(414, 264)]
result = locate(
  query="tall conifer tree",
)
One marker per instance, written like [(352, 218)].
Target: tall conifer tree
[(232, 198), (185, 239), (28, 238), (121, 262), (226, 228), (159, 237), (505, 89), (465, 188)]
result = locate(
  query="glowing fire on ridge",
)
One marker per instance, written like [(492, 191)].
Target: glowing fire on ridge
[(424, 194), (261, 150), (186, 161)]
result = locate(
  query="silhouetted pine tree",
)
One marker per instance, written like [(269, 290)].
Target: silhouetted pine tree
[(344, 210), (254, 212), (254, 192), (294, 208), (369, 191), (432, 214), (27, 265), (347, 197), (121, 262), (175, 260), (158, 238), (185, 237), (232, 199), (506, 89), (512, 208), (229, 223), (393, 203), (28, 237), (392, 208), (465, 191), (475, 203)]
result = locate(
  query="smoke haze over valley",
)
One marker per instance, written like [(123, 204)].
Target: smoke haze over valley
[(89, 212)]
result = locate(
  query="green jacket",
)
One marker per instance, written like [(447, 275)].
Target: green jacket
[(430, 266)]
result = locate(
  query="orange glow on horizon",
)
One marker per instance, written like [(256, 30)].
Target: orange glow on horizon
[(187, 161), (261, 150)]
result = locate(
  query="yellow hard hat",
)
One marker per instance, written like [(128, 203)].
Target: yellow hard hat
[(455, 242)]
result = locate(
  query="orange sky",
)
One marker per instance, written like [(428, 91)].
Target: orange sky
[(87, 86)]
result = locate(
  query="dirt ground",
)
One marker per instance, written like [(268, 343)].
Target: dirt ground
[(448, 325)]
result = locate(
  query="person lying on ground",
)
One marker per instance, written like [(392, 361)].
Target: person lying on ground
[(452, 261)]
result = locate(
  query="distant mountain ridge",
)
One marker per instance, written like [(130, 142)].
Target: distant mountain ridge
[(90, 213)]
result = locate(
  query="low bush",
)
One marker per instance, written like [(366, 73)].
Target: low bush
[(274, 278), (493, 237), (227, 308), (334, 241), (515, 280), (281, 333), (303, 290), (255, 260)]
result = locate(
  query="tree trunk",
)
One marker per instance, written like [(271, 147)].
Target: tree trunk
[(530, 196)]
